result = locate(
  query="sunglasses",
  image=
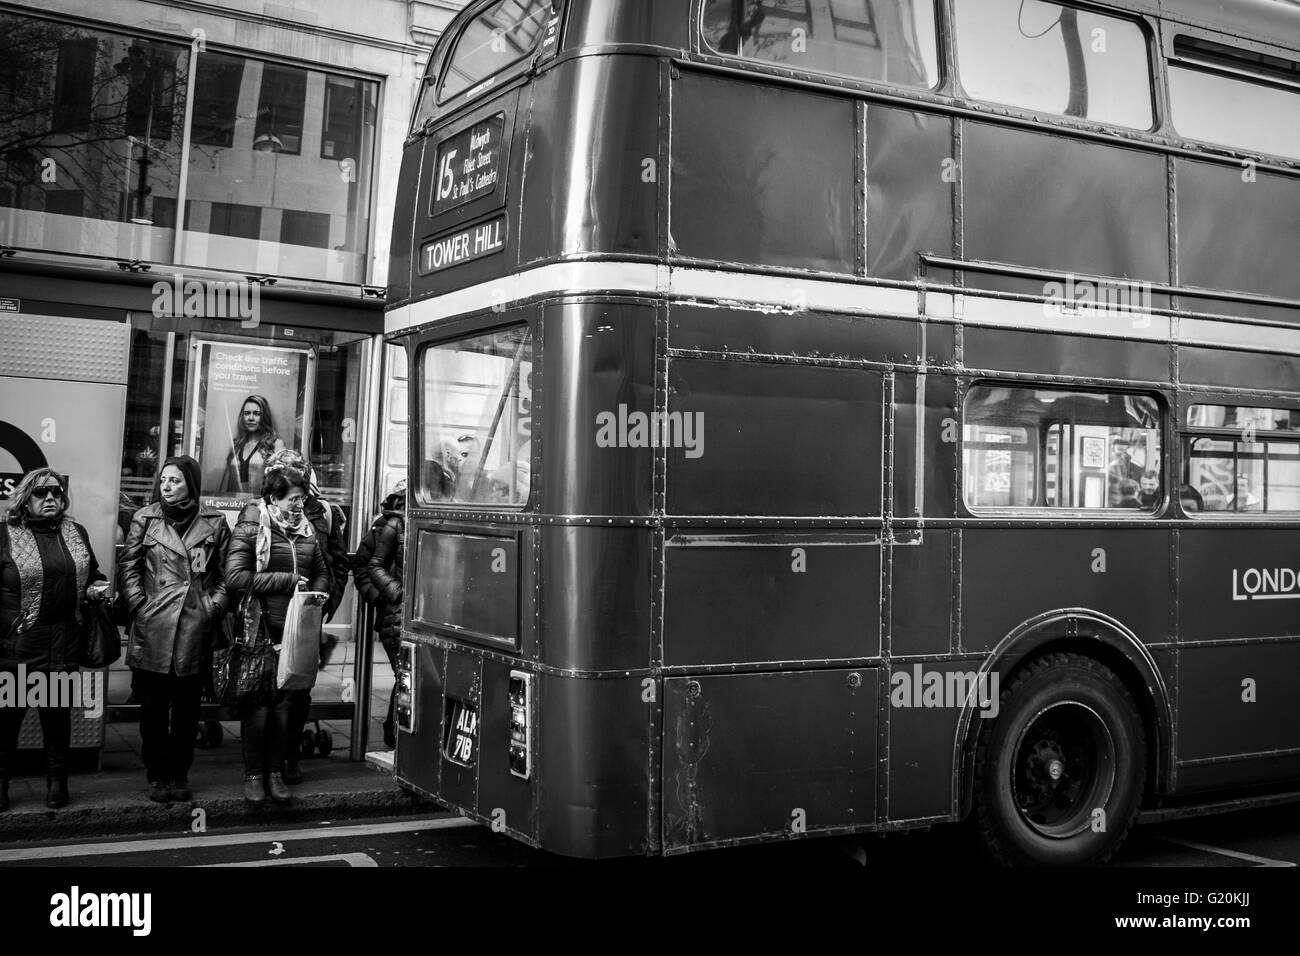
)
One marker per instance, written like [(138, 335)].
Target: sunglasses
[(47, 491)]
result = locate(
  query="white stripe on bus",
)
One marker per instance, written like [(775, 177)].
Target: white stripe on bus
[(787, 293)]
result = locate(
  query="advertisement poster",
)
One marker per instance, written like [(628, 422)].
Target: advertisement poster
[(247, 401)]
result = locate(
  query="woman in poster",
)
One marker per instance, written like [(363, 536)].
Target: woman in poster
[(255, 441)]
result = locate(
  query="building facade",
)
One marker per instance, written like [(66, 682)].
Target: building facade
[(196, 199)]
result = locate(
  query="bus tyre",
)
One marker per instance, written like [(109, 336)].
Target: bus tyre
[(1059, 774)]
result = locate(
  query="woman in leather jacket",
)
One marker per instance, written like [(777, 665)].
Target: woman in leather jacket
[(173, 583), (274, 551)]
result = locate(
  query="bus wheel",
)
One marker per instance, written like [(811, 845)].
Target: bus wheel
[(1059, 774)]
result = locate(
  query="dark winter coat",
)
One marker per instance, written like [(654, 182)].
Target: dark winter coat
[(275, 585), (385, 569), (56, 639), (331, 525), (174, 589)]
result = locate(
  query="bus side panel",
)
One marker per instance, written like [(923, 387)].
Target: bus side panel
[(1237, 232), (922, 595), (598, 22), (761, 444), (1012, 575), (762, 332), (1055, 354), (596, 598), (1237, 584), (501, 795), (729, 601), (921, 771), (750, 755), (909, 206), (1086, 207), (749, 163), (602, 114), (418, 758), (1233, 369), (593, 766), (598, 374), (401, 249)]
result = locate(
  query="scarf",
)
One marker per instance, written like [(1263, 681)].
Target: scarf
[(26, 556), (270, 517)]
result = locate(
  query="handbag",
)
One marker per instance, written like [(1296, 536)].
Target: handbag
[(103, 640), (245, 666)]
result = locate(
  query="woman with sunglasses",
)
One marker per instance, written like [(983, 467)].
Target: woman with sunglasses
[(274, 551), (47, 568)]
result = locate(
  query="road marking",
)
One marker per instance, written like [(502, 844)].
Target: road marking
[(1235, 854), (351, 859), (73, 850)]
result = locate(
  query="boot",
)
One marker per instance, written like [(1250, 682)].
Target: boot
[(254, 792), (181, 790), (292, 773), (276, 788), (160, 791), (56, 791), (4, 795)]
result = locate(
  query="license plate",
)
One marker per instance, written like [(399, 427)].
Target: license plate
[(462, 734)]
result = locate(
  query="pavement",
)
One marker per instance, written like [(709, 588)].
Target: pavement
[(112, 798)]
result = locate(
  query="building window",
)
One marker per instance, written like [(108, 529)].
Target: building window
[(892, 42), (280, 110), (1027, 448), (235, 219), (74, 82), (151, 90), (1057, 59), (217, 82), (341, 131), (299, 228)]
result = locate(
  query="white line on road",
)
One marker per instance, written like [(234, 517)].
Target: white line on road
[(1235, 854), (351, 859), (200, 841)]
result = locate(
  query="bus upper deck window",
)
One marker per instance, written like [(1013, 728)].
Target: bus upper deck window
[(496, 39), (1055, 59), (1233, 111), (885, 42)]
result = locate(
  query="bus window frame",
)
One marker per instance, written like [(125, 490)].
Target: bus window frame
[(701, 48), (505, 75), (1170, 57), (475, 325), (1185, 434), (1157, 76), (1047, 512)]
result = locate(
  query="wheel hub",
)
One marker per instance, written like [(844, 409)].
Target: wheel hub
[(1063, 769)]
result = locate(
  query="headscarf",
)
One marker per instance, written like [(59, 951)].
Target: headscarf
[(181, 516)]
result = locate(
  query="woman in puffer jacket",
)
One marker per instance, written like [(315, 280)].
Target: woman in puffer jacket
[(172, 578), (385, 571), (273, 552)]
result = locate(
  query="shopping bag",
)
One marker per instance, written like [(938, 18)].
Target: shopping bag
[(300, 644)]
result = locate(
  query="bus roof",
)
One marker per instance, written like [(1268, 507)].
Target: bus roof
[(1276, 22)]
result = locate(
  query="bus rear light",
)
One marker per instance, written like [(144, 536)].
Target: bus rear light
[(404, 688), (521, 732)]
